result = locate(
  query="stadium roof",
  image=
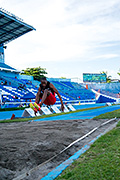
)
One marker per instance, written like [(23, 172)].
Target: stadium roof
[(11, 27)]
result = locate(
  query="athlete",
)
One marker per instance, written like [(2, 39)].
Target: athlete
[(46, 93)]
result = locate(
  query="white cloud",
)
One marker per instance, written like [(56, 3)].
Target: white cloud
[(65, 30), (108, 56)]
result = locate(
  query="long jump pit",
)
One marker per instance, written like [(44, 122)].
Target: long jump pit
[(30, 150)]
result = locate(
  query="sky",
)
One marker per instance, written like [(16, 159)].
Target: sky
[(72, 37)]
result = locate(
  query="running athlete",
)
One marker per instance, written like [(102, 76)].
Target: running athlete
[(46, 93)]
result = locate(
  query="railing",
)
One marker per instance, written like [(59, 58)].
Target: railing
[(26, 104), (10, 14)]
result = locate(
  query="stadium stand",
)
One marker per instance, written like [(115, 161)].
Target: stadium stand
[(110, 89), (73, 91), (18, 89)]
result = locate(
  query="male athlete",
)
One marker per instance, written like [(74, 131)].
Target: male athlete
[(46, 93)]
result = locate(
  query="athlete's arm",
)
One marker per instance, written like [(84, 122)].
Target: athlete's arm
[(37, 99), (56, 91)]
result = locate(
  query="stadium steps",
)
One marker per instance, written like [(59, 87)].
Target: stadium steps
[(68, 86), (11, 80)]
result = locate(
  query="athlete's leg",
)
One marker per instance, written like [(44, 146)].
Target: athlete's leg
[(37, 106), (46, 93), (33, 108), (50, 100)]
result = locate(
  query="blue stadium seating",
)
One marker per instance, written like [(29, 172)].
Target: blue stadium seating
[(74, 90), (15, 89), (69, 91), (109, 89)]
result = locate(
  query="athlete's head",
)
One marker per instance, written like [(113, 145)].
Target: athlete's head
[(43, 81)]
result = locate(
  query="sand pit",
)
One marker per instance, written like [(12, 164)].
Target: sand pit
[(23, 146)]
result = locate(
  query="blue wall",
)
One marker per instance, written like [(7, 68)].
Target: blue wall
[(8, 114), (103, 99)]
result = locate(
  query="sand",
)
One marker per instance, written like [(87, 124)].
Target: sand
[(24, 146)]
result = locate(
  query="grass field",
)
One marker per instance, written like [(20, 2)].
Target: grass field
[(109, 115), (101, 161)]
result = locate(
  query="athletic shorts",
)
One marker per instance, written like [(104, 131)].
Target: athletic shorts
[(50, 100)]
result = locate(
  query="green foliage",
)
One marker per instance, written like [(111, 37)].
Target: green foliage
[(119, 72), (63, 77), (12, 109), (36, 72), (108, 78)]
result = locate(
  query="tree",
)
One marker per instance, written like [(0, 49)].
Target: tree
[(108, 78), (36, 72), (119, 72), (62, 77)]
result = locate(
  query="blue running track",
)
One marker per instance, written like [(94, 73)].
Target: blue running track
[(89, 114)]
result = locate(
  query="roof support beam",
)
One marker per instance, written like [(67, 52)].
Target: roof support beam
[(7, 24), (1, 16), (11, 32), (15, 37)]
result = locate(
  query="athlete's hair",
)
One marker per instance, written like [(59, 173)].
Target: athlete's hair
[(43, 78)]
